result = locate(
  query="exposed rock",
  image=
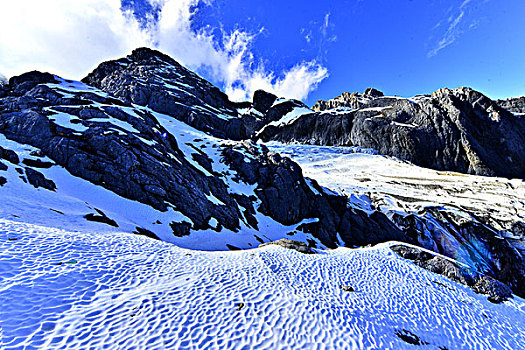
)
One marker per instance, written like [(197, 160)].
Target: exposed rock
[(262, 100), (153, 79), (144, 232), (9, 155), (354, 100), (497, 291), (288, 198), (100, 217), (459, 130), (37, 163), (514, 104), (347, 288), (37, 179), (301, 247), (410, 338), (480, 283)]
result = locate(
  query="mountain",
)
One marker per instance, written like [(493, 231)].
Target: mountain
[(456, 130), (144, 146), (205, 185)]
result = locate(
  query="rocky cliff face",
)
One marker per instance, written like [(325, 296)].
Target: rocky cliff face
[(515, 105), (151, 79), (459, 130), (352, 100)]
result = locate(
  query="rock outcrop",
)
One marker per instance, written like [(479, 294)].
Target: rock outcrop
[(150, 78), (497, 292), (514, 104), (457, 130)]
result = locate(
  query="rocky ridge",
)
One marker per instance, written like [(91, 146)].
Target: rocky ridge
[(456, 130)]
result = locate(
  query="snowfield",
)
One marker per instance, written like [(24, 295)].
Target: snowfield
[(63, 289), (394, 185)]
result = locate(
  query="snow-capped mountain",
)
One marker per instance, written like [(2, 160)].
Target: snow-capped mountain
[(145, 147)]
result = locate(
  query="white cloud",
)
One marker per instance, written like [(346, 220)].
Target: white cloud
[(70, 38), (63, 36), (455, 28)]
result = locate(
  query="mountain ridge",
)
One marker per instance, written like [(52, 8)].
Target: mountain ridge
[(152, 132)]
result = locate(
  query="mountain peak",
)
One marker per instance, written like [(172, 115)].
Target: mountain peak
[(146, 53)]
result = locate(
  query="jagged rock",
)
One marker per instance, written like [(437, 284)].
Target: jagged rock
[(153, 79), (144, 232), (347, 288), (37, 179), (263, 100), (288, 198), (9, 155), (458, 130), (37, 163), (301, 247), (514, 104), (371, 92), (480, 283), (354, 100), (497, 291), (102, 218)]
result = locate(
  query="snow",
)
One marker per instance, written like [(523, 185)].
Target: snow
[(292, 116), (66, 120), (117, 122), (404, 187), (62, 289)]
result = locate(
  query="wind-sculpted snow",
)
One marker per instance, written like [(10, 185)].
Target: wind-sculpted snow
[(62, 289)]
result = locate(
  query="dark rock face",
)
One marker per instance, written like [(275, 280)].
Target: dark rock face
[(262, 100), (354, 100), (9, 155), (497, 292), (301, 247), (153, 79), (289, 198), (37, 179), (514, 104), (107, 155), (100, 217), (459, 130)]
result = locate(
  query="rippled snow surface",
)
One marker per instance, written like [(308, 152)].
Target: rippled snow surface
[(79, 290)]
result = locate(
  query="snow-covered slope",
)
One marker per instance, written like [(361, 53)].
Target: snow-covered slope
[(74, 197), (401, 186), (60, 289), (476, 220)]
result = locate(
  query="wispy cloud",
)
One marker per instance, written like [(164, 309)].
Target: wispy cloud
[(320, 34), (70, 37), (456, 24)]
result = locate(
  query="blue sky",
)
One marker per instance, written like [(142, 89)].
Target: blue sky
[(304, 49)]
